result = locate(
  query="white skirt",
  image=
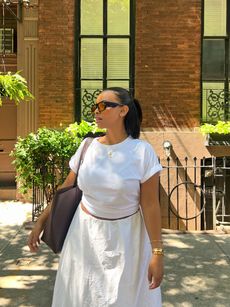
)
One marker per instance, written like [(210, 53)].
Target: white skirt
[(105, 263)]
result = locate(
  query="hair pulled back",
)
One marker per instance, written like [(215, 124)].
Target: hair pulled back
[(133, 118)]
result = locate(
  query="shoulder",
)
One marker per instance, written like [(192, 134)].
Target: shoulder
[(142, 146)]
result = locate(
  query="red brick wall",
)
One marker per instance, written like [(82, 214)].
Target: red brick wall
[(168, 62), (56, 62)]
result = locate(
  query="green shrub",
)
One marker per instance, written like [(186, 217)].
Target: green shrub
[(43, 157)]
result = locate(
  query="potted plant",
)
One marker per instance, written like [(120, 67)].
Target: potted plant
[(14, 87), (216, 134)]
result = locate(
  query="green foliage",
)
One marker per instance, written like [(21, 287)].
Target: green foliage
[(14, 87), (221, 127), (43, 157)]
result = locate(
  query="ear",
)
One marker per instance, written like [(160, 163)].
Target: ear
[(124, 111)]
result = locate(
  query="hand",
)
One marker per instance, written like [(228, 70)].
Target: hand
[(155, 271), (34, 238)]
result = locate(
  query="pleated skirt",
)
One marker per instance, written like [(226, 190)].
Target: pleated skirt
[(104, 264)]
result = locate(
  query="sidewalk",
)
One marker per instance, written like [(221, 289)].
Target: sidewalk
[(197, 266)]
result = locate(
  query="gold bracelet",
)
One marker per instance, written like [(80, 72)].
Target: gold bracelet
[(158, 251)]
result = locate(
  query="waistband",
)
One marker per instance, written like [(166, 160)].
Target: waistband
[(104, 218)]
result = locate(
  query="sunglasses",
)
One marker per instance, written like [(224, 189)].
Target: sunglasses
[(102, 105)]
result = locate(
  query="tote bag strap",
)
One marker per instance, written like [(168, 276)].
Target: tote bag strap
[(83, 152)]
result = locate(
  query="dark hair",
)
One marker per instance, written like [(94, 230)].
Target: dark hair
[(133, 118)]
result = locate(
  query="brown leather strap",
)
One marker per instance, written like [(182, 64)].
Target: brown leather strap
[(103, 218), (88, 141)]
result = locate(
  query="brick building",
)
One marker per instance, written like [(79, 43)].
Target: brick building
[(169, 54)]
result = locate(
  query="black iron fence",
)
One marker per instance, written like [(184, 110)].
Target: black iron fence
[(194, 193), (39, 202)]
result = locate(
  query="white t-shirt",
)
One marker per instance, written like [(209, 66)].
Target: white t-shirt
[(110, 175)]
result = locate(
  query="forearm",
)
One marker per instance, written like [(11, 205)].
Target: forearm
[(152, 219), (43, 217), (150, 205)]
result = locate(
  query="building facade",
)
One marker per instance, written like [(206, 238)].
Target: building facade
[(172, 56)]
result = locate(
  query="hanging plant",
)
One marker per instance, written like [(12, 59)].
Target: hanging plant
[(14, 87)]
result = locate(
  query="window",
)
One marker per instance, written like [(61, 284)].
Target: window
[(105, 47), (215, 60), (8, 31), (6, 40)]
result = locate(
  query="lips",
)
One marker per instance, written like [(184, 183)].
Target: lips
[(98, 119)]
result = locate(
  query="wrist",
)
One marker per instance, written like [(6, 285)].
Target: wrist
[(158, 251), (40, 224), (156, 243)]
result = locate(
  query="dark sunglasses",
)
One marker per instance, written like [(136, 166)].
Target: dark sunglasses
[(102, 105)]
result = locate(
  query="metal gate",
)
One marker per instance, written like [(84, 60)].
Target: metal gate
[(195, 194)]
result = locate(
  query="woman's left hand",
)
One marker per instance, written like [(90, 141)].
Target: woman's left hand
[(155, 271)]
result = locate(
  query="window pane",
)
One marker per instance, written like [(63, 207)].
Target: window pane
[(213, 102), (91, 58), (215, 17), (118, 17), (7, 40), (89, 92), (118, 59), (213, 59), (91, 17), (124, 84)]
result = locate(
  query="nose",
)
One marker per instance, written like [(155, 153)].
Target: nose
[(96, 111)]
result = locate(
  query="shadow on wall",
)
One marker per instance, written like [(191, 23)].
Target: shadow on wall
[(219, 151), (170, 117), (180, 192)]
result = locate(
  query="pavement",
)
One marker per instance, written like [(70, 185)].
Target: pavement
[(197, 265)]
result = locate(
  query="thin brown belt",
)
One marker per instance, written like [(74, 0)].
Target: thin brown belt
[(103, 218)]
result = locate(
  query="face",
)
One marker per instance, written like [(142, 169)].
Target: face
[(108, 115)]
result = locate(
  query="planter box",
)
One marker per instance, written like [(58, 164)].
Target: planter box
[(217, 139)]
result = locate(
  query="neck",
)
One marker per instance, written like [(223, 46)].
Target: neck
[(114, 137)]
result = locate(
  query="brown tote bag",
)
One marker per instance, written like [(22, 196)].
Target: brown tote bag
[(64, 205)]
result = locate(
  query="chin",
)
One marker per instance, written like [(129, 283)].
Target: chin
[(100, 125)]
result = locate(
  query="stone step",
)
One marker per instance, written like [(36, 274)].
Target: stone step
[(8, 193)]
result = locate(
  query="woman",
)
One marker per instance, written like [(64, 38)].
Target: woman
[(112, 255)]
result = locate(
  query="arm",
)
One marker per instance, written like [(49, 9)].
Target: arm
[(151, 212), (34, 237)]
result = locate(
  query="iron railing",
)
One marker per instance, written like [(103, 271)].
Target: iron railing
[(88, 97), (194, 193), (215, 105)]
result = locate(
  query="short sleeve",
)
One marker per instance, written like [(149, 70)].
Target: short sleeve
[(73, 163), (151, 163)]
